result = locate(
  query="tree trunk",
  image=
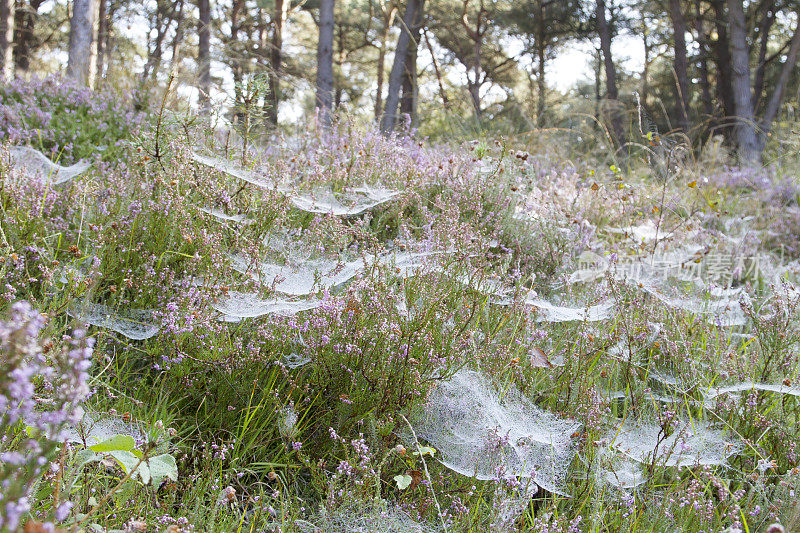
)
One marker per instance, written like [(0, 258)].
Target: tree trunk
[(408, 102), (276, 59), (325, 62), (476, 35), (541, 86), (612, 94), (779, 91), (761, 64), (398, 66), (102, 38), (746, 138), (680, 63), (204, 55), (236, 63), (722, 57), (82, 59), (25, 15), (646, 63), (442, 93), (177, 40), (6, 38), (163, 17), (388, 21), (705, 83), (407, 96)]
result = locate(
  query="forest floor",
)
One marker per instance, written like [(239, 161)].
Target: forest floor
[(335, 331)]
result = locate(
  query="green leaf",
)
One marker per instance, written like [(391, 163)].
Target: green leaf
[(124, 493), (162, 466), (128, 461), (84, 457), (426, 450), (115, 443), (403, 481)]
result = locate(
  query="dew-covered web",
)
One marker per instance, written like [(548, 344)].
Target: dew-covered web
[(690, 443), (300, 279), (135, 324), (98, 427), (670, 278), (354, 201), (621, 471), (34, 164), (219, 214), (294, 360), (227, 167), (365, 519), (480, 433), (549, 312), (751, 386), (236, 305)]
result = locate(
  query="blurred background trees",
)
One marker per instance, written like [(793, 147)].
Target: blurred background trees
[(700, 68)]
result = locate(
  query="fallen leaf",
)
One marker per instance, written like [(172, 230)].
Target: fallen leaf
[(539, 358), (416, 478)]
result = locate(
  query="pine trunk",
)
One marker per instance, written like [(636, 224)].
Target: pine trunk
[(25, 15), (680, 63), (6, 37), (612, 93), (204, 55), (325, 62), (746, 137), (779, 91), (414, 10), (276, 59), (82, 57)]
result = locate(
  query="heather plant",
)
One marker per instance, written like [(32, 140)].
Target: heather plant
[(64, 120), (40, 393), (296, 340)]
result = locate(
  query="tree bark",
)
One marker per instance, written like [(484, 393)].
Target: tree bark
[(25, 15), (722, 58), (276, 58), (612, 93), (541, 45), (6, 38), (102, 38), (442, 92), (705, 83), (325, 62), (408, 86), (408, 102), (204, 55), (764, 27), (680, 63), (166, 13), (82, 57), (476, 36), (746, 138), (779, 91), (388, 21), (398, 66)]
